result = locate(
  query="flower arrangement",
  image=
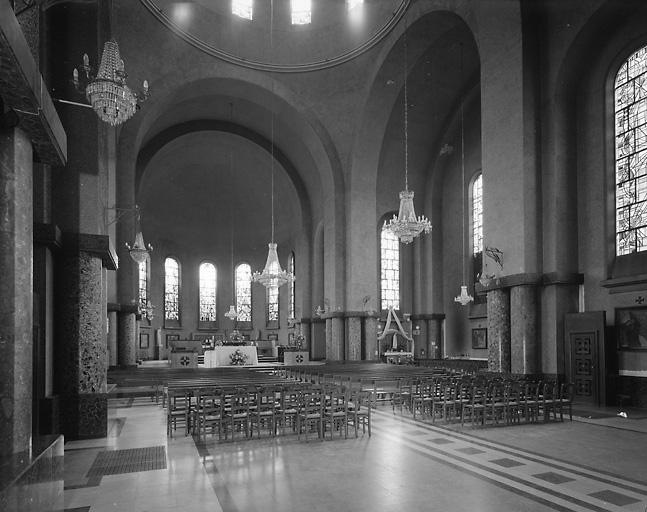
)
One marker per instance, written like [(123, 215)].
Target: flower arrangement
[(238, 358)]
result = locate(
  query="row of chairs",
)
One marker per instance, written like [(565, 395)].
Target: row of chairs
[(228, 412), (495, 401)]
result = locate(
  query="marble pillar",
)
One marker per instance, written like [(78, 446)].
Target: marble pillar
[(498, 325), (126, 338), (354, 330), (371, 351), (112, 338), (523, 330), (335, 338), (16, 284), (81, 352), (435, 338)]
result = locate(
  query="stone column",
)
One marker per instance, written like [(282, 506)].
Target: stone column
[(335, 338), (81, 347), (16, 283), (354, 330), (126, 337), (523, 330), (112, 337), (435, 338), (371, 349), (498, 325)]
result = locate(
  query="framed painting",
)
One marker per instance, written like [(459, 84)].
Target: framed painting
[(171, 337), (143, 340), (631, 328), (479, 337)]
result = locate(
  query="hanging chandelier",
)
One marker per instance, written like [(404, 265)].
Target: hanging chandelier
[(273, 276), (139, 251), (110, 97), (406, 226), (464, 298), (232, 314)]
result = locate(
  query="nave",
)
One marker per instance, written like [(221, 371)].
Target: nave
[(594, 463)]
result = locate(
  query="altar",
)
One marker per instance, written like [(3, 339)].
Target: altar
[(220, 356)]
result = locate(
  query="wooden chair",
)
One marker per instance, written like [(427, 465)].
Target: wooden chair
[(209, 413), (530, 401), (288, 410), (475, 408), (264, 412), (512, 403), (237, 412), (549, 399), (565, 400), (335, 414), (359, 410), (450, 402), (178, 410), (495, 405), (310, 412)]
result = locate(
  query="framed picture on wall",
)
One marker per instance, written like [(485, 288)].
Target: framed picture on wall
[(273, 336), (631, 328), (171, 337), (143, 340), (479, 337)]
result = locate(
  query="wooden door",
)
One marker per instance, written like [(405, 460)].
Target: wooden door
[(584, 338)]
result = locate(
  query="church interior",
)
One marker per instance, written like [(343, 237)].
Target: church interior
[(390, 184)]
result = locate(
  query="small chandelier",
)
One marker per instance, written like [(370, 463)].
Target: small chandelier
[(232, 314), (139, 251), (110, 97), (464, 298), (406, 226), (273, 276)]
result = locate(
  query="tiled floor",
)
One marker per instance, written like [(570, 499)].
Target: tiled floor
[(590, 464)]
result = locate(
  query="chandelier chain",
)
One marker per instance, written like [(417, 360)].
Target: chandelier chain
[(463, 160), (272, 116), (406, 113)]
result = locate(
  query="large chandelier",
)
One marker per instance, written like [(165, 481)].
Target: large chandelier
[(464, 298), (110, 97), (406, 226), (273, 275)]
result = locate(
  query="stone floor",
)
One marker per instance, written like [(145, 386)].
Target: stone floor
[(597, 462)]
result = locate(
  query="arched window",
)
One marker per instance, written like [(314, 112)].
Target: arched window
[(293, 287), (476, 221), (390, 270), (272, 305), (631, 154), (208, 293), (143, 283), (171, 292), (244, 292), (301, 12), (242, 8)]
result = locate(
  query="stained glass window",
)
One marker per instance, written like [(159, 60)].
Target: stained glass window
[(293, 288), (242, 8), (390, 270), (353, 3), (171, 289), (244, 292), (143, 283), (301, 13), (272, 304), (631, 154), (477, 214), (208, 288)]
